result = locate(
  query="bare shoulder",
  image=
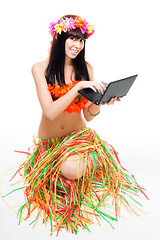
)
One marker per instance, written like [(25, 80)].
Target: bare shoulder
[(39, 68), (89, 67), (90, 71), (40, 65)]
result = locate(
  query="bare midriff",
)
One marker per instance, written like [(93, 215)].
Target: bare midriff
[(64, 124)]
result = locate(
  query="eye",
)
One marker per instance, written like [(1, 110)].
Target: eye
[(73, 38), (82, 40)]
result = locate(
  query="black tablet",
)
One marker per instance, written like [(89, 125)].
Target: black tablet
[(117, 89)]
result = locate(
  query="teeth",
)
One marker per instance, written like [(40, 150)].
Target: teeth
[(74, 50)]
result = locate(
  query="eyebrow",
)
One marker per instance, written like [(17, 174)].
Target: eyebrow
[(77, 36)]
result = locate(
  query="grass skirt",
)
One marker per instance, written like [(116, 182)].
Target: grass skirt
[(71, 204)]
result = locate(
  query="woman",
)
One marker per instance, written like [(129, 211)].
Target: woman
[(56, 122), (71, 175)]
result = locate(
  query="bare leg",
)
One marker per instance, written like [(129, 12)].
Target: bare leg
[(73, 167)]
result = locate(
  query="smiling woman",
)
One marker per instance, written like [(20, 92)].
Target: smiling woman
[(72, 174), (68, 43)]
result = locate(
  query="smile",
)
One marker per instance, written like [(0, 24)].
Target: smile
[(74, 51)]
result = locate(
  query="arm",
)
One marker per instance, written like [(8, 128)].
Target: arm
[(50, 108), (91, 109)]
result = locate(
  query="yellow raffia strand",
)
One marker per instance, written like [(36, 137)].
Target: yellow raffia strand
[(71, 204), (11, 208)]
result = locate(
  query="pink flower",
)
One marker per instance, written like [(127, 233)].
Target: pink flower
[(67, 24)]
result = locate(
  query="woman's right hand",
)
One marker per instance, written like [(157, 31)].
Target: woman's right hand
[(95, 86)]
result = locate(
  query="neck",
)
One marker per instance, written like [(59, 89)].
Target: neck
[(68, 70), (68, 61)]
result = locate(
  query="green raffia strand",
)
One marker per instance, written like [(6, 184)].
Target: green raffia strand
[(32, 160), (65, 227), (125, 199), (130, 178), (110, 156), (106, 215), (89, 204), (101, 213), (132, 189), (32, 222), (117, 203), (19, 214), (34, 219), (102, 199), (42, 195), (50, 217), (57, 218), (63, 187), (14, 191), (75, 231), (43, 171), (133, 199), (90, 201), (86, 227), (94, 161), (75, 198), (105, 196), (65, 221)]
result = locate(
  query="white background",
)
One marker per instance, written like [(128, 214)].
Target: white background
[(126, 42)]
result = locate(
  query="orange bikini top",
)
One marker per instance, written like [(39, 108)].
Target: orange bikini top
[(57, 91)]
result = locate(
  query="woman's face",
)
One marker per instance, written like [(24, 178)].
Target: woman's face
[(73, 46)]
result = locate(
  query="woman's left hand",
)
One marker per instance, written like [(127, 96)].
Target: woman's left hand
[(112, 101)]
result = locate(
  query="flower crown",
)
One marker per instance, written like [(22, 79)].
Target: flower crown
[(70, 23)]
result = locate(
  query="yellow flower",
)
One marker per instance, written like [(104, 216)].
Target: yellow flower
[(90, 28), (59, 28)]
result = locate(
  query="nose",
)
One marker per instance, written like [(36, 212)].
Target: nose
[(78, 44)]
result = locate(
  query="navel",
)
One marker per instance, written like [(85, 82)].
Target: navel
[(62, 127)]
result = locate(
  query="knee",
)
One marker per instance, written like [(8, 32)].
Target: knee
[(73, 168)]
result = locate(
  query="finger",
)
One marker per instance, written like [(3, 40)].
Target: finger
[(111, 101), (100, 90), (97, 87), (102, 86), (93, 88)]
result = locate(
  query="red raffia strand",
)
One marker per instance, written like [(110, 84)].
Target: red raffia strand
[(18, 171), (22, 152), (73, 204), (128, 172)]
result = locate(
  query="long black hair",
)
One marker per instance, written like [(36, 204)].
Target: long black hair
[(55, 69)]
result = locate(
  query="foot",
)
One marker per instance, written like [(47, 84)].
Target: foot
[(109, 147)]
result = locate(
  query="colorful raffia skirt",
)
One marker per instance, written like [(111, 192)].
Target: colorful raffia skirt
[(73, 204)]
